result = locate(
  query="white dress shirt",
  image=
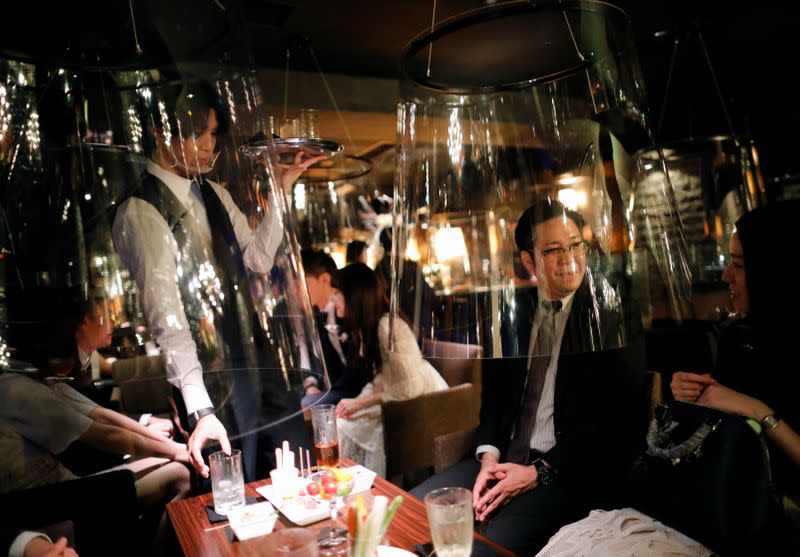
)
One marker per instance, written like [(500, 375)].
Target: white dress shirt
[(17, 548), (333, 329), (146, 245), (543, 437), (90, 361)]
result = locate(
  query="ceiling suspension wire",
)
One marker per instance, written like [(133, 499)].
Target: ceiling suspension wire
[(670, 71), (332, 98), (430, 46), (286, 82), (135, 34), (581, 57), (717, 89), (716, 86)]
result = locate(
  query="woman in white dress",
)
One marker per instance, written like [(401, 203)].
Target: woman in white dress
[(399, 375)]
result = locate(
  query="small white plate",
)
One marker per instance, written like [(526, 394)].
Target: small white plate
[(300, 510), (304, 510)]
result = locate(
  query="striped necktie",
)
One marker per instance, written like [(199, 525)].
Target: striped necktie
[(540, 361)]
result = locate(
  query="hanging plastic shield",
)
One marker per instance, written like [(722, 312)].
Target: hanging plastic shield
[(127, 192), (716, 180), (517, 183)]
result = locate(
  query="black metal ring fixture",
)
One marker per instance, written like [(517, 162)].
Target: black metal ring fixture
[(487, 14)]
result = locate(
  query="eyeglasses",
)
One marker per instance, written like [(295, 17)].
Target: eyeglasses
[(575, 248)]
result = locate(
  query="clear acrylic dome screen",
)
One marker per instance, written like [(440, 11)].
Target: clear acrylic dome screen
[(469, 165), (96, 160)]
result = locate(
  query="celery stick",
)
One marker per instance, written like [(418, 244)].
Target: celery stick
[(373, 524), (390, 515)]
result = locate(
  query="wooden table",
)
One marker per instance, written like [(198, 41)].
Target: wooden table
[(198, 537)]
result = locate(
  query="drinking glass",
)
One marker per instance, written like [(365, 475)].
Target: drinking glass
[(288, 127), (308, 123), (326, 435), (227, 480), (450, 518), (291, 542)]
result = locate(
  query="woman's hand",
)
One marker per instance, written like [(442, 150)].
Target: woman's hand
[(725, 399), (347, 407), (687, 386), (160, 426), (513, 479), (181, 454), (291, 172)]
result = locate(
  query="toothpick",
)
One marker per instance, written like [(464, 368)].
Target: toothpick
[(300, 451)]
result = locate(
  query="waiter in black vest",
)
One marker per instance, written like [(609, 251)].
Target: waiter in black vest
[(189, 248), (558, 427)]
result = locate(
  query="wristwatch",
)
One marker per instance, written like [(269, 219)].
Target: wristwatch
[(195, 416), (545, 474), (770, 422)]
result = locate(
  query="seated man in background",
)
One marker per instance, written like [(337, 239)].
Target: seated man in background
[(81, 326), (346, 382), (88, 324), (557, 430), (93, 331)]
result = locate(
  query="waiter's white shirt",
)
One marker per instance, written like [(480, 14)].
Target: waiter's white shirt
[(146, 245), (543, 437)]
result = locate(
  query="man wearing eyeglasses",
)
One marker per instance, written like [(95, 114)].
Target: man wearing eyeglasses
[(557, 428)]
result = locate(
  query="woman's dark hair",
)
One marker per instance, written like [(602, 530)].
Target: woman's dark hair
[(767, 236), (354, 251), (365, 296)]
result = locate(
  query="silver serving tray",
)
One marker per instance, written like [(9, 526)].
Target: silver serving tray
[(288, 147)]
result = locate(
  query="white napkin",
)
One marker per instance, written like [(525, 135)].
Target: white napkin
[(362, 478)]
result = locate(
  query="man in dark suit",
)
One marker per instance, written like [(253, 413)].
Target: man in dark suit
[(558, 422)]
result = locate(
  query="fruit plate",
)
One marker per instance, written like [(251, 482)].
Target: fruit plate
[(304, 510), (300, 510)]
